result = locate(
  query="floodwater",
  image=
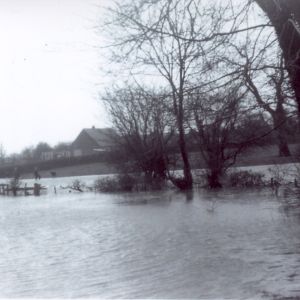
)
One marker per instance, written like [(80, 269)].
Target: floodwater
[(227, 244)]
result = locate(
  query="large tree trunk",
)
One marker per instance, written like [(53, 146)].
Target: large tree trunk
[(214, 179), (284, 150), (215, 170), (285, 17), (279, 119), (282, 142), (188, 180)]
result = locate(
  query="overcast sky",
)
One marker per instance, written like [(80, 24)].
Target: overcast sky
[(49, 71)]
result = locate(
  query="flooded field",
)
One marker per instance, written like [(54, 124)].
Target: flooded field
[(226, 244)]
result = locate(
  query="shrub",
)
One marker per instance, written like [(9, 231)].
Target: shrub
[(106, 185), (246, 179), (77, 185), (127, 183), (119, 183), (279, 173)]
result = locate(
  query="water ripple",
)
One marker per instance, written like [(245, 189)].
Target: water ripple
[(149, 246)]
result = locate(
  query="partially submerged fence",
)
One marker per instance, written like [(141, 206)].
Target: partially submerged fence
[(7, 189)]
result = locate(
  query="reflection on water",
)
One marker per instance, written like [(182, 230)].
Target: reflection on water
[(225, 244)]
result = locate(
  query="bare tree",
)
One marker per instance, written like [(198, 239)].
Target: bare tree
[(264, 73), (218, 126), (184, 42), (273, 104), (143, 125), (172, 39)]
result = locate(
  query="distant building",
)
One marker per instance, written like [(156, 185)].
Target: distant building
[(93, 140), (56, 154), (62, 154), (48, 155)]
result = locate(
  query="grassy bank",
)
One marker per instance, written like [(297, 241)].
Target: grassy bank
[(259, 156), (78, 170)]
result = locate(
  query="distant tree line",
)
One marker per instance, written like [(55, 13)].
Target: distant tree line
[(28, 167), (31, 154)]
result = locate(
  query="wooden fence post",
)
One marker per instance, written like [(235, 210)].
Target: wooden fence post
[(36, 189)]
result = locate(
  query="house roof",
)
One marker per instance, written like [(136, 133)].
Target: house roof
[(104, 137)]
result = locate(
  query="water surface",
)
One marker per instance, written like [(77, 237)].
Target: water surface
[(232, 244)]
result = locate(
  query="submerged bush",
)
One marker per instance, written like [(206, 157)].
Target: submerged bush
[(280, 173), (77, 185), (119, 183), (246, 179), (127, 183), (106, 185)]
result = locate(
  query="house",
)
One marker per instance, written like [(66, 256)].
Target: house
[(93, 140)]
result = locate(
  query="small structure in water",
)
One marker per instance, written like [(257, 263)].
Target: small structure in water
[(8, 189)]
